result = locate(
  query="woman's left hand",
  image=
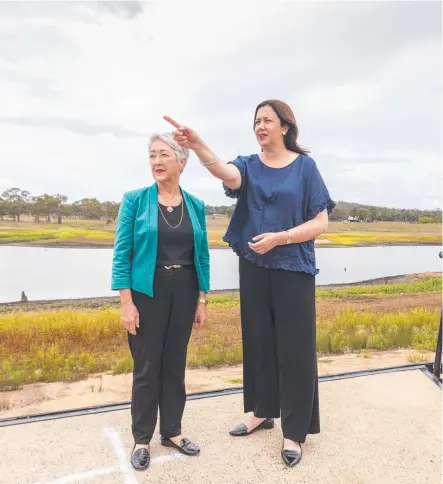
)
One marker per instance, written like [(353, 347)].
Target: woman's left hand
[(265, 242), (201, 314)]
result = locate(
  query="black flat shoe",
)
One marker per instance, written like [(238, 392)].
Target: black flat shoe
[(291, 457), (186, 446), (241, 430), (140, 459)]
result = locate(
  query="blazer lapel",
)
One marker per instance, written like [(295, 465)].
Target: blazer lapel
[(194, 221), (153, 208)]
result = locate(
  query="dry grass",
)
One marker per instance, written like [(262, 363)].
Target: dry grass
[(364, 353), (417, 357), (5, 403), (235, 381), (70, 345)]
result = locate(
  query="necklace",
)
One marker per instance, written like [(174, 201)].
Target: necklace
[(169, 206), (164, 218)]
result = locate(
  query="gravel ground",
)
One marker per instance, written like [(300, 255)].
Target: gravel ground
[(381, 429)]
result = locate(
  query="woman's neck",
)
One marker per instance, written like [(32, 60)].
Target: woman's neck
[(171, 188), (275, 152), (277, 156)]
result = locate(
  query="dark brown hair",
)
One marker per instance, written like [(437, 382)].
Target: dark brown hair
[(287, 118)]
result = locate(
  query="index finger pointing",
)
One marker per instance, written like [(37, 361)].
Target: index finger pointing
[(172, 121)]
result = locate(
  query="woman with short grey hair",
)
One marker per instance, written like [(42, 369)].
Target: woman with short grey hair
[(161, 268)]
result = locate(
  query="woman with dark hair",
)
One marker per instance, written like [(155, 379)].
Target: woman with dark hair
[(283, 205)]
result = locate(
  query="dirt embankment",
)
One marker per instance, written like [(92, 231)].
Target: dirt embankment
[(114, 301), (106, 389)]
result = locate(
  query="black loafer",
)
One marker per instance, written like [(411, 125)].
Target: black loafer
[(186, 446), (241, 430), (140, 459), (291, 457)]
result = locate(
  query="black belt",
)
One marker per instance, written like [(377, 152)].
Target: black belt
[(175, 266)]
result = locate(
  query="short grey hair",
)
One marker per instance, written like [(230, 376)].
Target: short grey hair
[(181, 153)]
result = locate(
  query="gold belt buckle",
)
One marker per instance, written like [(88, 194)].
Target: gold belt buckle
[(173, 267)]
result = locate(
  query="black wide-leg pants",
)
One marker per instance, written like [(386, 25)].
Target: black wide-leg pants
[(159, 350), (279, 347)]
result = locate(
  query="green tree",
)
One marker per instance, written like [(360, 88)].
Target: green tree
[(58, 201), (3, 208), (66, 210), (363, 213), (425, 220), (17, 202), (339, 214), (110, 211), (38, 208), (373, 213), (89, 208)]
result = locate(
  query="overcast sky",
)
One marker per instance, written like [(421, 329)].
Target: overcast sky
[(83, 84)]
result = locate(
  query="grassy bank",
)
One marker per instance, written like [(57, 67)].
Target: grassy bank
[(433, 284), (96, 233), (411, 284), (70, 344)]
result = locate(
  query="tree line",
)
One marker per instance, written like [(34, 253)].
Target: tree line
[(365, 213), (371, 213), (15, 202)]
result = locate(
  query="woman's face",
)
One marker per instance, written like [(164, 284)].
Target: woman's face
[(164, 163), (268, 129)]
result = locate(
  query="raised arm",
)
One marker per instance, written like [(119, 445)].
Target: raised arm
[(188, 138)]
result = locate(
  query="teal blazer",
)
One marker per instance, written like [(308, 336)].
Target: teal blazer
[(135, 246)]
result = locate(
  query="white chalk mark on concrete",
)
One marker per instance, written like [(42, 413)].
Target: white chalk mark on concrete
[(84, 476), (125, 465)]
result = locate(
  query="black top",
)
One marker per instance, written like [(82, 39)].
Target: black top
[(175, 245)]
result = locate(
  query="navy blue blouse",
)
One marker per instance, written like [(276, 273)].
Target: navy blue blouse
[(274, 200)]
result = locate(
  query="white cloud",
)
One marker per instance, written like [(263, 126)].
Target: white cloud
[(342, 99), (81, 88)]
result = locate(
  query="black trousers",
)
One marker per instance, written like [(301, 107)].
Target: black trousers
[(279, 347), (159, 350)]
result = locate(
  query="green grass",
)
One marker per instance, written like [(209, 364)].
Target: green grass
[(432, 284), (59, 234), (356, 238), (235, 381), (211, 356), (382, 233), (225, 300), (25, 236), (90, 232)]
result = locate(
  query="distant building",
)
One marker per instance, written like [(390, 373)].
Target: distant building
[(353, 219)]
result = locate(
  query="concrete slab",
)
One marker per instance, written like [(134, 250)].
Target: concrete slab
[(375, 429)]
